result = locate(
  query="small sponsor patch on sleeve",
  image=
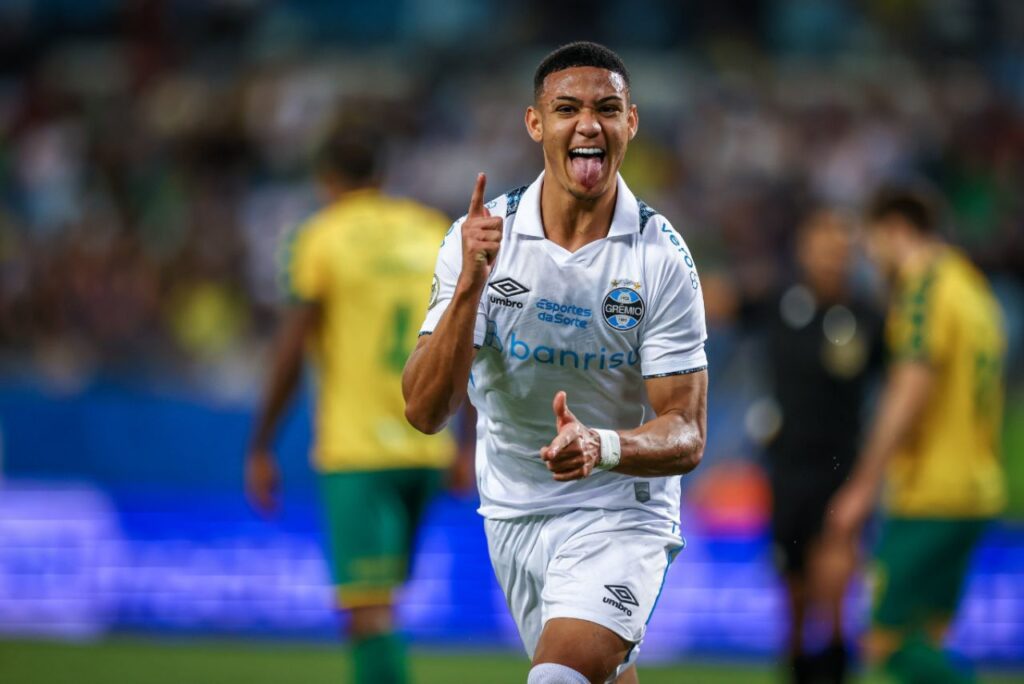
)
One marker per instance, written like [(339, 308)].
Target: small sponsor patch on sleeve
[(435, 289)]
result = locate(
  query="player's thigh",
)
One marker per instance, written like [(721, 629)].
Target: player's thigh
[(628, 676), (953, 549), (919, 570), (594, 651), (519, 555), (611, 575), (365, 526)]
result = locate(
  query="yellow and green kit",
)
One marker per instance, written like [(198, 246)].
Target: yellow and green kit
[(368, 261), (946, 480)]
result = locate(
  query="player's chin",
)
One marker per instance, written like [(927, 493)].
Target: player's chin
[(582, 192)]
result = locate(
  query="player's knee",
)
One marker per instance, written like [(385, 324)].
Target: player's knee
[(553, 673)]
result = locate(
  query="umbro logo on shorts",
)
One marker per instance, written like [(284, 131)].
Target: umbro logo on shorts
[(622, 596), (509, 287)]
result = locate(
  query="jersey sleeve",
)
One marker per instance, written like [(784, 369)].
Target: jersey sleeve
[(304, 273), (673, 340), (442, 288)]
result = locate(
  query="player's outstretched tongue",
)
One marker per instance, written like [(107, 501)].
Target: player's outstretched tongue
[(587, 169)]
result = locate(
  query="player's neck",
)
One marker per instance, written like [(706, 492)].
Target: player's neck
[(336, 188), (917, 255), (571, 222), (921, 252)]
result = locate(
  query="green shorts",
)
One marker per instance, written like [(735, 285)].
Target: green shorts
[(919, 569), (371, 519)]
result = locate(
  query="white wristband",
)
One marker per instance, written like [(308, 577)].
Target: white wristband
[(611, 449)]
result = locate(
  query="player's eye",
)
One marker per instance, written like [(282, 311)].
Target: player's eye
[(564, 109)]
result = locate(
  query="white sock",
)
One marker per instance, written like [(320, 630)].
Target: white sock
[(553, 673)]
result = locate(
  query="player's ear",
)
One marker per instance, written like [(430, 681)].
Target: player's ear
[(632, 120), (534, 125)]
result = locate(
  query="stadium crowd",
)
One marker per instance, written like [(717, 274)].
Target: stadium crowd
[(152, 157)]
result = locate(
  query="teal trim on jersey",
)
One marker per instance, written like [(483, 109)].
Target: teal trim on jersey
[(512, 199), (698, 369), (646, 212)]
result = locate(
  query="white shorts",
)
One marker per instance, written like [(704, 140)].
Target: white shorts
[(606, 567)]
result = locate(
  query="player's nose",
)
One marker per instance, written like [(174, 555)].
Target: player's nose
[(587, 124)]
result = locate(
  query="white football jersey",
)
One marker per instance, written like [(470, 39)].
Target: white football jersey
[(595, 322)]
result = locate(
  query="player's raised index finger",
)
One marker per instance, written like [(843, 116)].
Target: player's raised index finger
[(476, 202)]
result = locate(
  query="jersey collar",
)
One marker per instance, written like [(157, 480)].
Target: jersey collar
[(625, 217)]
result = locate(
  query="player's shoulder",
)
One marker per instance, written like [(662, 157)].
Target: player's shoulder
[(958, 272), (661, 241), (505, 205), (920, 284), (326, 219), (314, 227), (419, 213)]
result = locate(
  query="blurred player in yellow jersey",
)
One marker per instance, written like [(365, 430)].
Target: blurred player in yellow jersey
[(934, 442), (359, 273)]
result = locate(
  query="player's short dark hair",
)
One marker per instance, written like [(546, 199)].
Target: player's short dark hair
[(354, 153), (912, 205), (582, 53)]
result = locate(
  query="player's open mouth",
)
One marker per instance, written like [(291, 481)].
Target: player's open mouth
[(587, 164)]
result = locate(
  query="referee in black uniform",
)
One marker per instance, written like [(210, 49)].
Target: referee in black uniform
[(823, 344)]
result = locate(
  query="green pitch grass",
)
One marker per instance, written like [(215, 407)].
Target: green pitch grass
[(137, 661)]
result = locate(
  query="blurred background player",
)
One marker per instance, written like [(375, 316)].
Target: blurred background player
[(822, 341), (934, 442), (358, 273)]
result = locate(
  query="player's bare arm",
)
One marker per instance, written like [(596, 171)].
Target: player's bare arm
[(906, 393), (671, 444), (437, 373), (262, 477)]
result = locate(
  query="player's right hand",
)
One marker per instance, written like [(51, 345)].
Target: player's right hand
[(576, 450), (481, 238), (262, 481)]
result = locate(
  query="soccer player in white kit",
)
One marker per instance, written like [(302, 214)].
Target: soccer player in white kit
[(570, 290)]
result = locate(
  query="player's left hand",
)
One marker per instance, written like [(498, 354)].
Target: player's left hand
[(262, 481), (576, 449), (848, 510)]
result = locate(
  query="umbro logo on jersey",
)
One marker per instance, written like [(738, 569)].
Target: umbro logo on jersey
[(622, 596), (508, 288)]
